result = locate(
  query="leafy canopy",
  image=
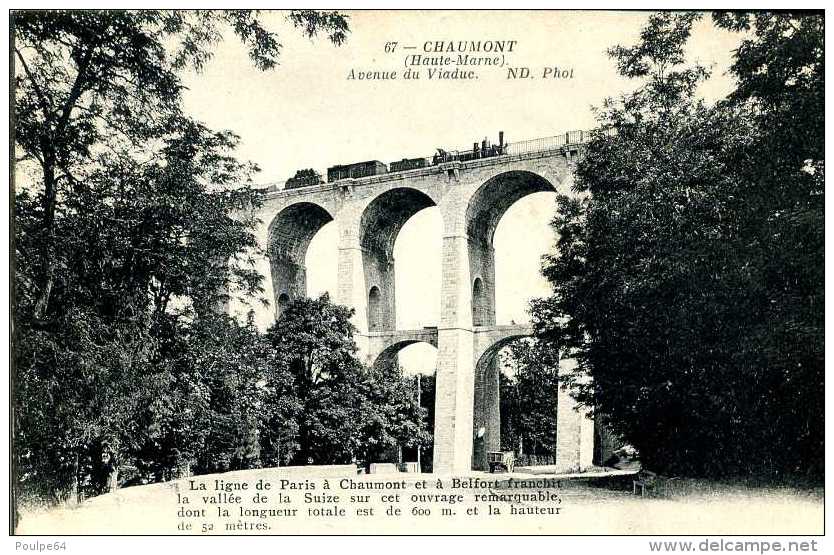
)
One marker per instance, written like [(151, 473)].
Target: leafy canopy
[(688, 273)]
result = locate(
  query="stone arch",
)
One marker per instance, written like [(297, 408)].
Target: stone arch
[(492, 199), (389, 354), (486, 207), (487, 403), (381, 222), (290, 233), (491, 352)]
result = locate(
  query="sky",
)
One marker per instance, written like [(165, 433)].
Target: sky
[(306, 113)]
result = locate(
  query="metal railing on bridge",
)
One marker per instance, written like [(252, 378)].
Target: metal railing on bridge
[(541, 144), (544, 144)]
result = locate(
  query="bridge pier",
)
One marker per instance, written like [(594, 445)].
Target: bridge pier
[(350, 289), (350, 284), (574, 430), (482, 272), (487, 412), (455, 386), (454, 402)]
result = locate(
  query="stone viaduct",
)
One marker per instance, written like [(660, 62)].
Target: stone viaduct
[(369, 212)]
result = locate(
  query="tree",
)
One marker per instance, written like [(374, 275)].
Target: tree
[(75, 386), (126, 241), (233, 363), (139, 269), (347, 412), (677, 287), (394, 422), (780, 67)]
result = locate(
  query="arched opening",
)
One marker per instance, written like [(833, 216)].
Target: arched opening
[(518, 396), (380, 225), (374, 309), (487, 208), (416, 361), (529, 401), (486, 425), (518, 263), (283, 301), (290, 234), (417, 251), (419, 364), (322, 262), (479, 304)]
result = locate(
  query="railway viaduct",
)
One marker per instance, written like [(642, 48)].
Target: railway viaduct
[(369, 212)]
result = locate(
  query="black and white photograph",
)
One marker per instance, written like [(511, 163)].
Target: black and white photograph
[(417, 272)]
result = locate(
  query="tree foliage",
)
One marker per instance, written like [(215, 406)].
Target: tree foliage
[(127, 238), (689, 273), (347, 412), (139, 265)]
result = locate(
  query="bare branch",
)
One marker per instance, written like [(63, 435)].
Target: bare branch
[(44, 101)]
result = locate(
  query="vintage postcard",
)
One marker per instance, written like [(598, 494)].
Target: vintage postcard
[(464, 272)]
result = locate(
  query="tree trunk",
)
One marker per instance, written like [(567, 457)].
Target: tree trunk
[(112, 479), (75, 489), (48, 239), (184, 470)]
